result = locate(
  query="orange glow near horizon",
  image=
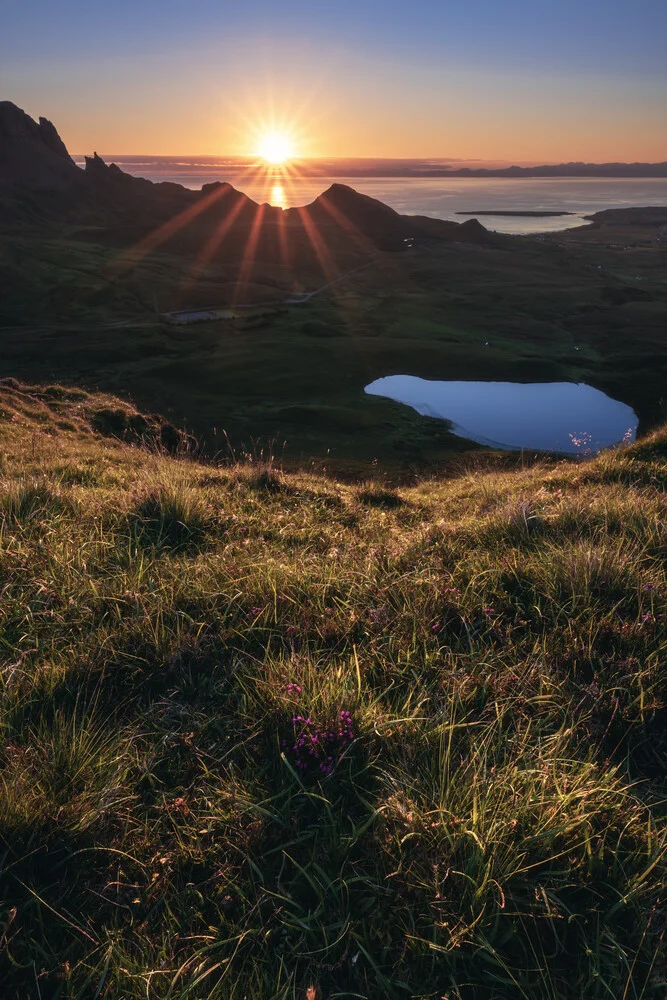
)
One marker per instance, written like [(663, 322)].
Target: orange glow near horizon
[(295, 116)]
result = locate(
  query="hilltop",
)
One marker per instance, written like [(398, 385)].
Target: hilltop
[(263, 729)]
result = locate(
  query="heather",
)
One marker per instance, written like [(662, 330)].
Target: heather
[(263, 730)]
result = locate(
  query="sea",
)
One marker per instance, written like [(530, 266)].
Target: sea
[(438, 197)]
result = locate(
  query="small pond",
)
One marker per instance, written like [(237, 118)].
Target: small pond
[(568, 417)]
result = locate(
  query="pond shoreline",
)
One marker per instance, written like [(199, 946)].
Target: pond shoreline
[(567, 418)]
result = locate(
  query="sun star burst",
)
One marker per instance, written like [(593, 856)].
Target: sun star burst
[(275, 147)]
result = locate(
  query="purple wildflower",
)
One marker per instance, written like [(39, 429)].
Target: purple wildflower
[(318, 748)]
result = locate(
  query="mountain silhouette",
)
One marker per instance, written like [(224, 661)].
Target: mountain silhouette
[(40, 182), (32, 154)]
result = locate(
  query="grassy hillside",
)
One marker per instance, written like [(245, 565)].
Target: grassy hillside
[(263, 731)]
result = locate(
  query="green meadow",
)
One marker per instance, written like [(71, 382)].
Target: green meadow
[(264, 730)]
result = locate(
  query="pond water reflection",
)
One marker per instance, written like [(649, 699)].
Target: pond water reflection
[(567, 417)]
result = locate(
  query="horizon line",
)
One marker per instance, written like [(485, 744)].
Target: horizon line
[(253, 157)]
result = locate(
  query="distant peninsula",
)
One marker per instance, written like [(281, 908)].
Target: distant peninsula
[(526, 214)]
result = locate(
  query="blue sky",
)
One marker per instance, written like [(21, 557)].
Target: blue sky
[(500, 80)]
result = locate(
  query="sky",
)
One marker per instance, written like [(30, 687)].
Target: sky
[(514, 80)]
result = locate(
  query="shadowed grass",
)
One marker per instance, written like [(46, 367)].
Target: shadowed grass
[(266, 730), (385, 499)]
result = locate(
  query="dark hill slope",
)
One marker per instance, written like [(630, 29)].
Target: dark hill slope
[(651, 216), (360, 214)]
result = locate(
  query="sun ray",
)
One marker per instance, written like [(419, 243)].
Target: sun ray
[(259, 172), (283, 240), (363, 242), (129, 258), (248, 259), (213, 244), (329, 267)]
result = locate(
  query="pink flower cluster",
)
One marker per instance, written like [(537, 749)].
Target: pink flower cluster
[(317, 748)]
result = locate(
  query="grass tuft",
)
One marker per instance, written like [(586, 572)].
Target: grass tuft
[(265, 479), (384, 499), (172, 516), (22, 501)]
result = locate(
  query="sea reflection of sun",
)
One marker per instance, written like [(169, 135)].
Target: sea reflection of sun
[(278, 198)]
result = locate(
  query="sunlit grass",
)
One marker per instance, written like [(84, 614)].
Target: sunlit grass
[(482, 659)]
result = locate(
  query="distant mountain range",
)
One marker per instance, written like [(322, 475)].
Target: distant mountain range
[(351, 167), (568, 170)]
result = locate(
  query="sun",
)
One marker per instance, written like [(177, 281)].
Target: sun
[(275, 147)]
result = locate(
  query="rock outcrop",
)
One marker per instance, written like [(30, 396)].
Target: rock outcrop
[(32, 154), (50, 138), (472, 231)]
